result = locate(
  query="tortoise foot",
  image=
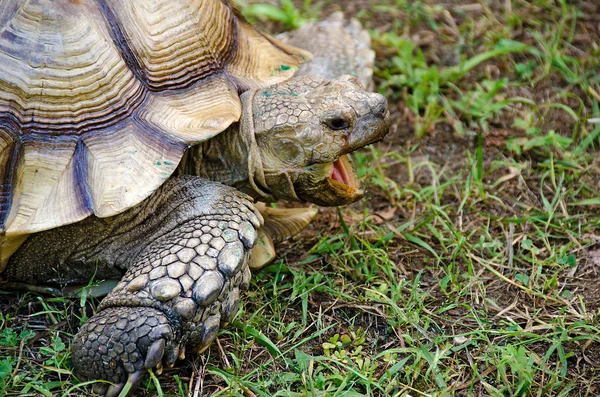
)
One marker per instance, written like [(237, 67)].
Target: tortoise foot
[(120, 344)]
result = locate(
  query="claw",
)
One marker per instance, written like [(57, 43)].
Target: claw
[(182, 353), (133, 382), (159, 368), (135, 379), (114, 390), (260, 217), (155, 354), (263, 251), (171, 357), (100, 388), (200, 349)]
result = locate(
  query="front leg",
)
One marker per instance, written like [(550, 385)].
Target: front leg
[(183, 286)]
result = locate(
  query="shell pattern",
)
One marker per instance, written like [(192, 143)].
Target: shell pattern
[(100, 98)]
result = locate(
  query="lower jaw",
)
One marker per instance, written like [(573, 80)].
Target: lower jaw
[(330, 193), (336, 199), (316, 184)]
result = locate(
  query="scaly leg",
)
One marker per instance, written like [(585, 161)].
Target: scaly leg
[(185, 249)]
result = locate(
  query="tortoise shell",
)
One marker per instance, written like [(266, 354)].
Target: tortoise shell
[(100, 98)]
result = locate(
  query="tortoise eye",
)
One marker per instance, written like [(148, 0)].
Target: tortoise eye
[(337, 124)]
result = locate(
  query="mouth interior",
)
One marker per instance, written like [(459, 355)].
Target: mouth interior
[(342, 171)]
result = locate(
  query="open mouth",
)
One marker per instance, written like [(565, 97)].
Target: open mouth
[(343, 173), (330, 184)]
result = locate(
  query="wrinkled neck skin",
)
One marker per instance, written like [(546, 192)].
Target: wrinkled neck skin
[(233, 158)]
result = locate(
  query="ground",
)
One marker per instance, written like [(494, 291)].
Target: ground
[(471, 268)]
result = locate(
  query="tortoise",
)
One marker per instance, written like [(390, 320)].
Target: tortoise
[(135, 137)]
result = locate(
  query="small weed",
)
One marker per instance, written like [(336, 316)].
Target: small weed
[(423, 87), (536, 140), (478, 106), (285, 13)]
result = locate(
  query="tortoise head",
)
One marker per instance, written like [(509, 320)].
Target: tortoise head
[(303, 130)]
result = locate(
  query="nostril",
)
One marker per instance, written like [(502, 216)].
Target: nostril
[(383, 108), (378, 104), (380, 107)]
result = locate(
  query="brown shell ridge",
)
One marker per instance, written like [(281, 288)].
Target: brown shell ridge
[(82, 176), (7, 11), (116, 32), (235, 18), (9, 154), (80, 125), (177, 48), (59, 71)]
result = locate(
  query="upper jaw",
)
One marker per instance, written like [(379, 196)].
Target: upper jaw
[(369, 130)]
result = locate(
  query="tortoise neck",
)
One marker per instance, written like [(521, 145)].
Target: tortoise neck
[(232, 157)]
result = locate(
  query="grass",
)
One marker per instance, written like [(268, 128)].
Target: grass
[(472, 267)]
